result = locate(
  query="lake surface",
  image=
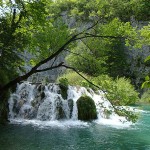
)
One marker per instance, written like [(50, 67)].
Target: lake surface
[(77, 135)]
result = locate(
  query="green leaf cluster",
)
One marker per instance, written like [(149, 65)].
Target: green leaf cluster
[(119, 91)]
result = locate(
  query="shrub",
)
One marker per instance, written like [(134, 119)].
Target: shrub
[(119, 91)]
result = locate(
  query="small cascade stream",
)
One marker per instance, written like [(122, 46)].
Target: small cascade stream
[(45, 103)]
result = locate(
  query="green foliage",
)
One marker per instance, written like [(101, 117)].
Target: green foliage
[(74, 79), (145, 98), (146, 83), (106, 10), (145, 35), (119, 91), (147, 58), (86, 108), (63, 81), (130, 115), (96, 56), (88, 61)]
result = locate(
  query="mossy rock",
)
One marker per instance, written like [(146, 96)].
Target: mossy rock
[(86, 108), (61, 113), (63, 91)]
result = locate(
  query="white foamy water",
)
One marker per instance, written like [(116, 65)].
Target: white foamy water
[(47, 124), (43, 105)]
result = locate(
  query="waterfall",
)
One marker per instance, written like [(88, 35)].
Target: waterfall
[(45, 103)]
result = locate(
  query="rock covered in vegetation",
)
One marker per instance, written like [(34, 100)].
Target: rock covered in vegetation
[(86, 108), (63, 84)]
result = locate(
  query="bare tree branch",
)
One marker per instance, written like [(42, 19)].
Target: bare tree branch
[(50, 68), (87, 35), (68, 67), (13, 18), (54, 61)]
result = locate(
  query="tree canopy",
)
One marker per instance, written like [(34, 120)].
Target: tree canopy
[(46, 28)]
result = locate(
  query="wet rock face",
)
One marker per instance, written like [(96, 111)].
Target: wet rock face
[(86, 108), (60, 114), (51, 109), (17, 105), (70, 105)]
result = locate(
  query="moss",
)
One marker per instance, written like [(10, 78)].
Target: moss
[(86, 108), (63, 91)]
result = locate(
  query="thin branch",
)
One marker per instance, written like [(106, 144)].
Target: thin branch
[(50, 68), (68, 67), (85, 30), (54, 61), (97, 36), (90, 27), (13, 18)]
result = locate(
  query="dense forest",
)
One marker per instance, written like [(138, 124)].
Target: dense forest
[(97, 37)]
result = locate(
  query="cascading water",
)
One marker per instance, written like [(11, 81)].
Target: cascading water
[(45, 103)]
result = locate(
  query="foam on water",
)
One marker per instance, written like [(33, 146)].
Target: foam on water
[(55, 123)]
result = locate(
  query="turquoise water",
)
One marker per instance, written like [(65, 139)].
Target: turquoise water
[(91, 136)]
